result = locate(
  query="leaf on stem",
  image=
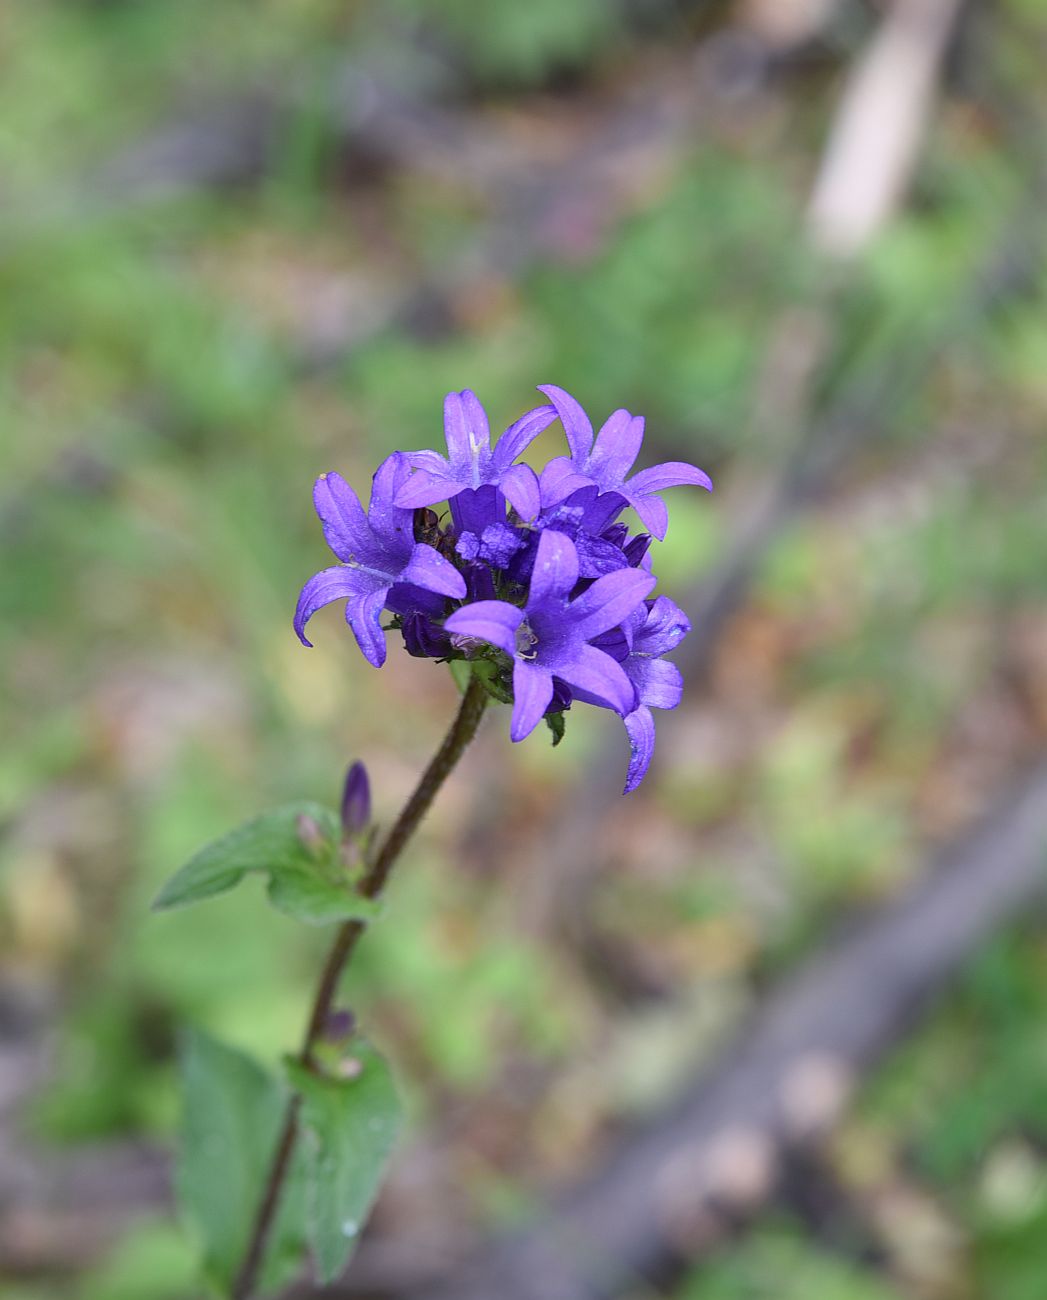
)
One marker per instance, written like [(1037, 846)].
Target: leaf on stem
[(349, 1126), (233, 1113), (557, 725), (298, 847)]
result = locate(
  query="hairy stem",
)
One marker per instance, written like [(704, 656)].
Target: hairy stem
[(461, 732)]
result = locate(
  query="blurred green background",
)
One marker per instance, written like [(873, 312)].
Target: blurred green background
[(243, 243)]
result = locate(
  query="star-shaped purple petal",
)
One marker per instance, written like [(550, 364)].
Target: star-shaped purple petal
[(378, 552), (471, 462), (605, 459)]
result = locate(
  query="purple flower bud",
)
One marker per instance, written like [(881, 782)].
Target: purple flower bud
[(637, 548), (562, 697), (356, 800), (339, 1026), (424, 639), (479, 583)]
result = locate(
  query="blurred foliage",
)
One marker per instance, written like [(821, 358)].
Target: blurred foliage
[(167, 372)]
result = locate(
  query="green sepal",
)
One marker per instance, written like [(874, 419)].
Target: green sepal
[(492, 675), (233, 1112), (298, 847), (557, 724), (462, 672), (350, 1119)]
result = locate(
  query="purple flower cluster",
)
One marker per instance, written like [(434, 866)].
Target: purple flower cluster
[(533, 578)]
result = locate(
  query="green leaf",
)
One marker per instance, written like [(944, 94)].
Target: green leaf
[(298, 847), (233, 1113), (349, 1125), (557, 725)]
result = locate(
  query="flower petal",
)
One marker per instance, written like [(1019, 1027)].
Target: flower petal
[(520, 485), (429, 460), (363, 614), (406, 598), (559, 479), (391, 524), (532, 693), (653, 511), (659, 684), (429, 569), (468, 435), (617, 447), (456, 429), (336, 583), (673, 473), (608, 602), (596, 678), (493, 621), (555, 568), (576, 423), (597, 557), (640, 726), (476, 418), (426, 488), (663, 629), (344, 522), (474, 509), (520, 435)]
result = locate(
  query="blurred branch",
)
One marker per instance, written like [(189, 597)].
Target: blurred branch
[(877, 133)]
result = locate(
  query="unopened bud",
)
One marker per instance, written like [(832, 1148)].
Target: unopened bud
[(339, 1026), (356, 800), (309, 832)]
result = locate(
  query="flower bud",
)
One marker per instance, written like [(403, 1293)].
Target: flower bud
[(637, 548), (423, 639), (356, 800), (339, 1026), (309, 832)]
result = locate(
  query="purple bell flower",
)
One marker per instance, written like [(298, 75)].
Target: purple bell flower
[(378, 553), (471, 462), (658, 627), (549, 637), (606, 458)]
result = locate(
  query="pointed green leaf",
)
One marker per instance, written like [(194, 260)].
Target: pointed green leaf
[(298, 847), (233, 1113), (350, 1126), (557, 724)]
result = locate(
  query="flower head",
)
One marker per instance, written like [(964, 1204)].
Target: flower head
[(535, 580)]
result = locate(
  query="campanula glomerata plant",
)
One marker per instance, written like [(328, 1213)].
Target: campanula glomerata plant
[(535, 590)]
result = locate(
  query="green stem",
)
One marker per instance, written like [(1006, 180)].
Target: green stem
[(454, 745)]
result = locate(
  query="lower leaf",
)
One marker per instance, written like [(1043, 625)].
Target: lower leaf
[(349, 1125), (233, 1113)]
